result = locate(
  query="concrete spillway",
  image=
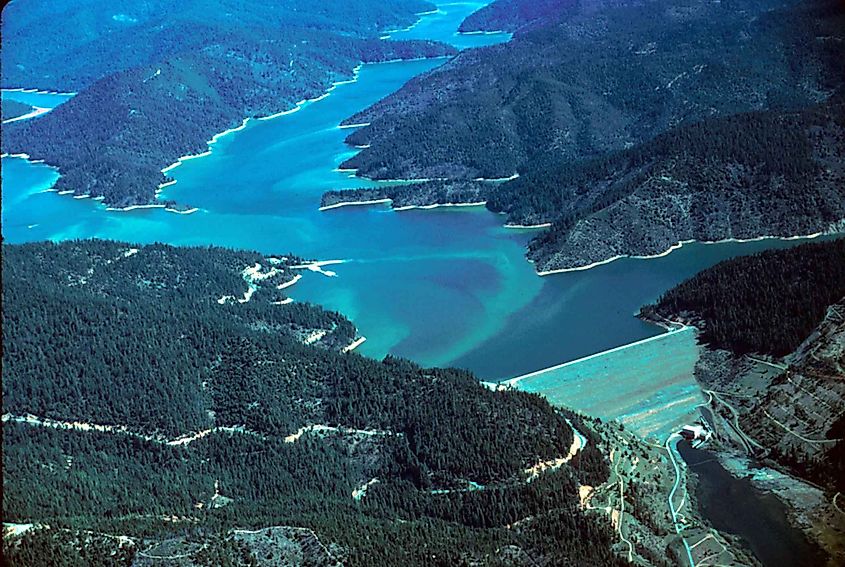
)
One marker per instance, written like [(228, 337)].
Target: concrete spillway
[(647, 385)]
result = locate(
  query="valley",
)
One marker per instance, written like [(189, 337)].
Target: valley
[(307, 342)]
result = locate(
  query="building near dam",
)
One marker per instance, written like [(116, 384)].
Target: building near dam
[(693, 432)]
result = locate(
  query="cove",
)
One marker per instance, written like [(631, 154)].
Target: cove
[(447, 286), (35, 98)]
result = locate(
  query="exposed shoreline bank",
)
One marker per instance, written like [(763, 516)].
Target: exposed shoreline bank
[(34, 113), (439, 205), (355, 204), (529, 226), (35, 91), (354, 344), (680, 245), (209, 143)]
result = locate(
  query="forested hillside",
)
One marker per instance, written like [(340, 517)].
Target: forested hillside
[(67, 45), (774, 363), (772, 173), (114, 138), (767, 303), (511, 15), (140, 397), (630, 128), (426, 193), (13, 108), (598, 77), (765, 173)]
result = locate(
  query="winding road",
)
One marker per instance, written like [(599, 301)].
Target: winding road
[(746, 440)]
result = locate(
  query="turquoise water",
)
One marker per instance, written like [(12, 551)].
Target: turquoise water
[(652, 391), (41, 99), (580, 313), (442, 286), (443, 24)]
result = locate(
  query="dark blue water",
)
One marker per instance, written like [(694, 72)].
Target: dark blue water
[(733, 505)]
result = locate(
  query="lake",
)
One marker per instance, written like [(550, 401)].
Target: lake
[(442, 286), (34, 97)]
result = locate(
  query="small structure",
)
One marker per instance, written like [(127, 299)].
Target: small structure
[(693, 432)]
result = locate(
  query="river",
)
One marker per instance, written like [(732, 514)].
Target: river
[(733, 505)]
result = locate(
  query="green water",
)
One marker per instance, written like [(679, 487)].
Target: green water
[(442, 286)]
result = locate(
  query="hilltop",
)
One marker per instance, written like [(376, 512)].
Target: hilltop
[(138, 112), (629, 127), (148, 392)]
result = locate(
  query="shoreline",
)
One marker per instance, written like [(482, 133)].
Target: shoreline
[(26, 157), (410, 59), (354, 204), (35, 91), (483, 32), (190, 211), (388, 33), (299, 105), (317, 267), (356, 125), (528, 226), (290, 282), (511, 382), (414, 180), (34, 113), (680, 244), (439, 205), (497, 179), (388, 181), (214, 139), (167, 208), (133, 207), (429, 207), (354, 344), (210, 143)]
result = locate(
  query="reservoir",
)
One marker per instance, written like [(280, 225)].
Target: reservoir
[(448, 286), (35, 98)]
